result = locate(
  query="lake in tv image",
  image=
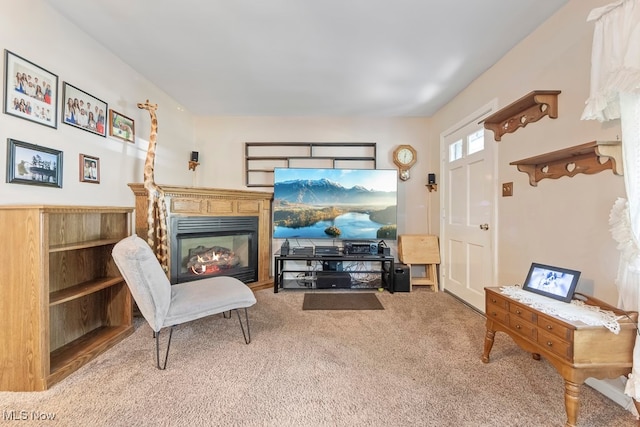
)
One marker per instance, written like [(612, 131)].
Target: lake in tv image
[(335, 203)]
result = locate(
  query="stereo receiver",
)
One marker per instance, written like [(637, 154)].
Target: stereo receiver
[(360, 247)]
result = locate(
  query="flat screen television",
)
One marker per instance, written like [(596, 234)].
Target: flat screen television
[(313, 203)]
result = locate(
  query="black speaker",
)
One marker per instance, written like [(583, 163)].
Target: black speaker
[(401, 278), (194, 156), (332, 279), (431, 178)]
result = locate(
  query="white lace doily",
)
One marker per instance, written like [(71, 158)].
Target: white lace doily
[(575, 310)]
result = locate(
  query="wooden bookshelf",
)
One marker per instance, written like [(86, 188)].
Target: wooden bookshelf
[(62, 300)]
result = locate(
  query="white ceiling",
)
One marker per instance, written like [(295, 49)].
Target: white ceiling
[(309, 57)]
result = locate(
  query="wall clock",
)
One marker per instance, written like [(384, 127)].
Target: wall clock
[(404, 156)]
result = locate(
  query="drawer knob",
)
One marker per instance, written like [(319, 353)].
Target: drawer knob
[(518, 326), (518, 312), (549, 343), (549, 327), (493, 300)]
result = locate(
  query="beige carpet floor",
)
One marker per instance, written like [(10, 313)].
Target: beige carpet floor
[(415, 363)]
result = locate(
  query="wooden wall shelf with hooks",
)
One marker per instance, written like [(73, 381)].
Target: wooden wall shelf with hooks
[(589, 158), (530, 108)]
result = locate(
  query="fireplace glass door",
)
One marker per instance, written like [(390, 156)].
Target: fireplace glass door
[(214, 251)]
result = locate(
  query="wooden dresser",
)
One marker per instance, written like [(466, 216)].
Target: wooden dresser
[(578, 351)]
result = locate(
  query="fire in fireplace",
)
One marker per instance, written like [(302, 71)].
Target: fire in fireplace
[(214, 246)]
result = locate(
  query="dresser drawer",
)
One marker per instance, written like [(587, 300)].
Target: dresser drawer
[(520, 326), (522, 312), (554, 327), (498, 314), (554, 344), (496, 300)]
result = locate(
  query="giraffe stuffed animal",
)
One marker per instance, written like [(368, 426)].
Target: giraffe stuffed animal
[(156, 210)]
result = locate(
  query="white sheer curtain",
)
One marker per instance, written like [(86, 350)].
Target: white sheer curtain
[(615, 93)]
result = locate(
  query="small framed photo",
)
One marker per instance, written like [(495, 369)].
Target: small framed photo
[(553, 282), (122, 127), (30, 91), (34, 165), (89, 169), (83, 111)]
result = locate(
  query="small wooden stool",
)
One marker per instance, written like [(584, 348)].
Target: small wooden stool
[(420, 249)]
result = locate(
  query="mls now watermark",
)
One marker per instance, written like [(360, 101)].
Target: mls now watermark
[(22, 415)]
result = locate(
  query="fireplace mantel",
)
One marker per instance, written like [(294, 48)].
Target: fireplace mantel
[(200, 201)]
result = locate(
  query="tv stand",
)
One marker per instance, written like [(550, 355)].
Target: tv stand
[(304, 272)]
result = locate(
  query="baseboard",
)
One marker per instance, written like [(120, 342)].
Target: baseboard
[(614, 390)]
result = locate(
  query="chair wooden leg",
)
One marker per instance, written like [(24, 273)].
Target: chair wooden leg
[(247, 335), (166, 356)]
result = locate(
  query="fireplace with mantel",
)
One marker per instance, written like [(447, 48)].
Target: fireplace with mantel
[(229, 230)]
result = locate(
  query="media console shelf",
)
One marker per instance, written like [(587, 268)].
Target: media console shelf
[(322, 272), (530, 108), (589, 158)]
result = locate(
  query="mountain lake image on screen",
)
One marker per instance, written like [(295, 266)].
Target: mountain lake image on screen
[(316, 203)]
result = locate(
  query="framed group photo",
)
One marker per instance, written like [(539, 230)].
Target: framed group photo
[(122, 127), (83, 111), (89, 169), (30, 91), (33, 164)]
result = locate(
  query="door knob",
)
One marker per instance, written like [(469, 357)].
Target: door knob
[(484, 227)]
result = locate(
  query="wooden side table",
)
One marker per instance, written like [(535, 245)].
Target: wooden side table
[(577, 350), (420, 249)]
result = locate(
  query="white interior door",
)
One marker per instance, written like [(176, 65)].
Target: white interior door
[(467, 236)]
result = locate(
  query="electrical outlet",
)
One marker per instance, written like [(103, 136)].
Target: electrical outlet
[(507, 189)]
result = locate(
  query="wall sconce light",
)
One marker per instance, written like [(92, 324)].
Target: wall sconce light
[(193, 161), (431, 182)]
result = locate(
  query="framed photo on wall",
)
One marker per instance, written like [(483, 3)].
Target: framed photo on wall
[(34, 165), (89, 167), (30, 91), (122, 127), (83, 111)]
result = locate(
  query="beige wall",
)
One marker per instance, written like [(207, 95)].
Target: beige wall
[(221, 144), (560, 222), (34, 31)]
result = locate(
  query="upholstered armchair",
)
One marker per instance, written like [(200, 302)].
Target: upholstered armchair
[(165, 306)]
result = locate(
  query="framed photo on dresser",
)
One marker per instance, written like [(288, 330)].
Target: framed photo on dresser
[(553, 282)]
